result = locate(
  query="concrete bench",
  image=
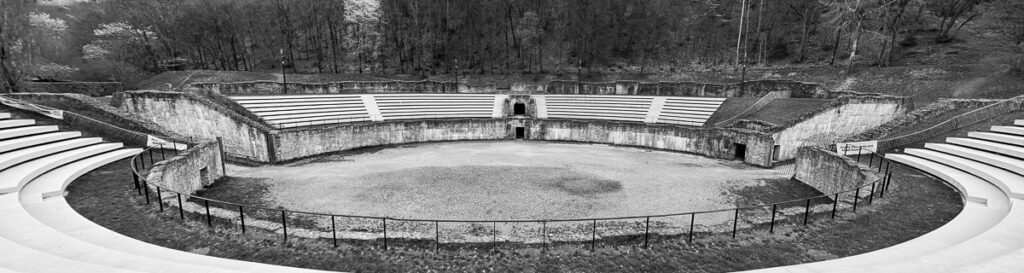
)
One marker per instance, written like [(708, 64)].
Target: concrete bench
[(1011, 130), (995, 147), (1010, 183), (11, 158), (26, 131), (997, 137), (13, 123), (4, 115), (22, 142), (17, 176)]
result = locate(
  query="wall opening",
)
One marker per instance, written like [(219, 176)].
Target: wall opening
[(775, 152), (204, 176), (520, 133), (741, 151), (519, 109)]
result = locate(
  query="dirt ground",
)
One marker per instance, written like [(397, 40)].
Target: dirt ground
[(508, 180)]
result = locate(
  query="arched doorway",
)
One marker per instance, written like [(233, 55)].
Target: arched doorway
[(519, 109)]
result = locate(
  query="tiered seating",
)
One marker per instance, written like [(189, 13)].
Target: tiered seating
[(988, 169), (39, 232), (429, 106), (689, 110), (305, 110), (619, 108)]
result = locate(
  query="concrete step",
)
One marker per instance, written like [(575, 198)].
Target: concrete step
[(1019, 122), (12, 123), (1012, 130), (22, 142), (1010, 183), (1012, 164), (17, 157), (25, 131), (5, 115), (997, 137), (995, 147), (18, 176)]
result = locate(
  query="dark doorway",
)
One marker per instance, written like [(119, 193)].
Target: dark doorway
[(741, 151), (520, 133), (204, 176), (775, 153), (519, 109)]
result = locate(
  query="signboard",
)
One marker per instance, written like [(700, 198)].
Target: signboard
[(855, 148), (46, 111), (155, 142)]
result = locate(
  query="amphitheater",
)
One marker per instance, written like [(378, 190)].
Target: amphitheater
[(176, 144)]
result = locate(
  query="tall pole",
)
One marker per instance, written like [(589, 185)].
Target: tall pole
[(284, 76), (579, 77), (739, 38)]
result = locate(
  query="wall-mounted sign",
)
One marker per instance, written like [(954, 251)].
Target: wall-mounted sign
[(855, 148)]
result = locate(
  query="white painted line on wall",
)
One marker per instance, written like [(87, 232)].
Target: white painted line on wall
[(542, 106), (499, 106), (655, 111)]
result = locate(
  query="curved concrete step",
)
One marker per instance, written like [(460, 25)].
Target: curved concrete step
[(997, 137), (28, 231), (17, 157), (11, 123), (1010, 183), (995, 147), (974, 219), (1019, 122), (26, 131), (1009, 163), (21, 258), (16, 177), (1012, 130), (22, 142), (5, 115)]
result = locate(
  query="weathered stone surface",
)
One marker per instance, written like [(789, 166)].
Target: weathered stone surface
[(689, 89), (299, 143), (188, 116), (829, 172), (184, 173), (717, 143), (360, 87)]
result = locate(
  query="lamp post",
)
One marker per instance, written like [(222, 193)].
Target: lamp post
[(284, 76)]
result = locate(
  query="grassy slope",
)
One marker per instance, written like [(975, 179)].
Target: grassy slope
[(106, 197)]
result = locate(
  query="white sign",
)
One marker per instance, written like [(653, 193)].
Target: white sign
[(855, 148), (155, 142), (46, 111)]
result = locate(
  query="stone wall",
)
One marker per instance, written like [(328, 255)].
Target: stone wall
[(92, 89), (192, 116), (829, 172), (845, 117), (305, 142), (190, 170), (716, 143), (688, 89), (361, 87)]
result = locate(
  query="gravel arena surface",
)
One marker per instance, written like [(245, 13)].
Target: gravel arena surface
[(518, 180)]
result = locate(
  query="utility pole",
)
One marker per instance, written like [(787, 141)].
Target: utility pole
[(739, 39), (579, 77)]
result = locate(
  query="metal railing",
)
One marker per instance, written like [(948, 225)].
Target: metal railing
[(381, 230)]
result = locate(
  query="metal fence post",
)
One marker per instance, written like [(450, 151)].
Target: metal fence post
[(593, 237), (494, 235), (145, 190), (807, 211), (151, 161), (859, 151), (136, 179), (871, 161), (544, 230), (735, 223), (693, 218), (284, 225), (871, 198), (159, 199), (385, 220), (771, 228), (162, 155), (437, 236), (241, 216), (835, 205), (647, 229), (334, 232), (856, 196), (181, 210)]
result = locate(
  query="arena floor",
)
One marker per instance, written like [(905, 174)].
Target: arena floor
[(508, 180)]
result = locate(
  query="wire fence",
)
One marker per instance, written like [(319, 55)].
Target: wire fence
[(725, 223)]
